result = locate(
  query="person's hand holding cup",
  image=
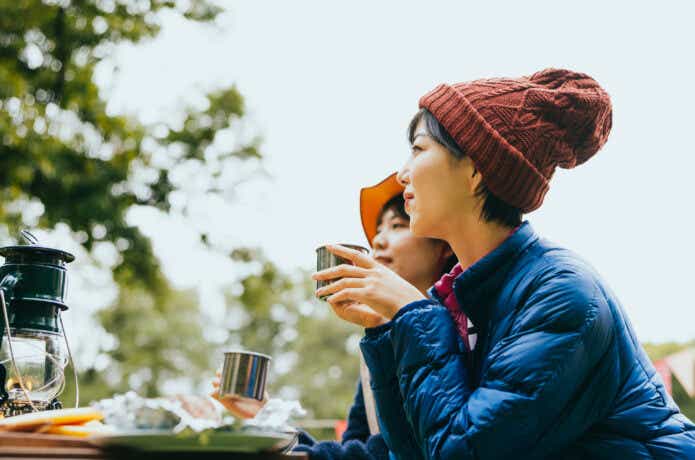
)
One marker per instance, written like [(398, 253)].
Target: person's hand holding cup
[(348, 310), (325, 258), (238, 406), (240, 387)]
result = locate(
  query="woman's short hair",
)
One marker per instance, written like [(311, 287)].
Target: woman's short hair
[(494, 209)]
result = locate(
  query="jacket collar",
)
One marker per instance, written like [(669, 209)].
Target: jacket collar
[(475, 286)]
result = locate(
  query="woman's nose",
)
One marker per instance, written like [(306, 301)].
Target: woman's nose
[(403, 176)]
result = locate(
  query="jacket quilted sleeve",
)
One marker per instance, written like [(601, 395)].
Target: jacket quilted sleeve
[(536, 393), (393, 425)]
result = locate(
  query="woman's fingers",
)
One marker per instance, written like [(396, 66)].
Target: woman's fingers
[(339, 285), (341, 271), (359, 314), (356, 257), (347, 295)]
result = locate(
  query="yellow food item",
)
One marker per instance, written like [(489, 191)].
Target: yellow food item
[(80, 431), (35, 420)]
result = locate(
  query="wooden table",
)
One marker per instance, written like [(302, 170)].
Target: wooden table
[(42, 446)]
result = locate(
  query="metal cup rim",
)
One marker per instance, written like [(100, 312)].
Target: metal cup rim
[(247, 352), (347, 245)]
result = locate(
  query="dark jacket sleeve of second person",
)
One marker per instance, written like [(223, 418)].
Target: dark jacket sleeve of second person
[(373, 449), (356, 444), (357, 426)]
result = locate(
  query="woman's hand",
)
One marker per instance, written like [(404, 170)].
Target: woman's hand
[(238, 406), (359, 314), (366, 291)]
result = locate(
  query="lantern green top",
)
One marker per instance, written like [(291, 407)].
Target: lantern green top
[(35, 254), (34, 281)]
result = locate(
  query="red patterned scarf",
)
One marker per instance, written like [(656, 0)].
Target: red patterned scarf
[(445, 291)]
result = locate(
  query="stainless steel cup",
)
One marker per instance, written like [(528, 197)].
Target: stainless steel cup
[(326, 259), (244, 374)]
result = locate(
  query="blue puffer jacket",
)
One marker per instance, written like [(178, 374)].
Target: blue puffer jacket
[(557, 372)]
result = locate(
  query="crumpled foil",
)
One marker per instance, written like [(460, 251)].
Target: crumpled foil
[(276, 415), (130, 412)]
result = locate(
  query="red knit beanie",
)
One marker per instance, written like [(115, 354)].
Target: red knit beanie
[(518, 130)]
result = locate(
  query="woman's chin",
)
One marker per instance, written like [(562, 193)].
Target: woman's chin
[(417, 226)]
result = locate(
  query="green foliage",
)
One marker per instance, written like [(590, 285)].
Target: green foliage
[(684, 401), (85, 167), (61, 147), (657, 351), (158, 338), (327, 370), (155, 339)]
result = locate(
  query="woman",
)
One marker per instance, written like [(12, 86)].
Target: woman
[(421, 261), (557, 371)]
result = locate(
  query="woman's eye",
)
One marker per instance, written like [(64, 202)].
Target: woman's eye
[(416, 149)]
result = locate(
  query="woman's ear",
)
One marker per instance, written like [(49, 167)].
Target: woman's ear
[(476, 180), (470, 176)]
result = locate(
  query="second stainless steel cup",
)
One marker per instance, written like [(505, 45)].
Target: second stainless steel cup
[(244, 374), (326, 259)]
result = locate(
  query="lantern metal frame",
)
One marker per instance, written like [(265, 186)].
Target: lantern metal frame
[(36, 278)]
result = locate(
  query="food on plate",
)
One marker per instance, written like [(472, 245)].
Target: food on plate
[(80, 431), (42, 420)]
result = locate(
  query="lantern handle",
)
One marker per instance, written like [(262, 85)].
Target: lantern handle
[(9, 343), (72, 363), (29, 237)]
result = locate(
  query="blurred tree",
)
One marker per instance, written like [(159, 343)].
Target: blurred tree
[(657, 351), (66, 160), (157, 340), (60, 148)]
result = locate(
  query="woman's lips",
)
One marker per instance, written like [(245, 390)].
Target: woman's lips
[(408, 197), (407, 206)]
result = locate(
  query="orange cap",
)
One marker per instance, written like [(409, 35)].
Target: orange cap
[(372, 201)]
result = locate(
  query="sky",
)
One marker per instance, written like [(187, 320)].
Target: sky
[(331, 86)]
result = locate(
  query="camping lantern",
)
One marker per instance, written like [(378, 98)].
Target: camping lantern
[(33, 348)]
